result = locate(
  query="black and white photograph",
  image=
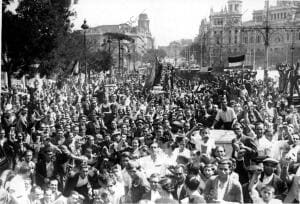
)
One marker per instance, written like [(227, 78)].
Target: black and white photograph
[(150, 102)]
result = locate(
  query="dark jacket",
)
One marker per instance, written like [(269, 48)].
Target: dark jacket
[(280, 186), (233, 191), (250, 154), (183, 193)]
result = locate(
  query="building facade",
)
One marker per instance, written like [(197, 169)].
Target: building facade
[(174, 51), (283, 21), (224, 34), (131, 51), (220, 36)]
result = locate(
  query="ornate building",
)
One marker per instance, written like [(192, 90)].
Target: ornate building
[(220, 36), (225, 34), (141, 34), (283, 21)]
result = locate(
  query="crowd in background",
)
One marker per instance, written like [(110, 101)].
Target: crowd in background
[(93, 144)]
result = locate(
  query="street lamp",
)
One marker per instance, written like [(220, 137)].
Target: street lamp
[(122, 60), (85, 27)]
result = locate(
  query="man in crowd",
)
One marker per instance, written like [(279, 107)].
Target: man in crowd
[(66, 145)]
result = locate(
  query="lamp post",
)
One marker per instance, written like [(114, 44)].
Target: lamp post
[(84, 26), (122, 61)]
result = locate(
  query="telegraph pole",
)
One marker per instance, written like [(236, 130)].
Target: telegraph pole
[(267, 30)]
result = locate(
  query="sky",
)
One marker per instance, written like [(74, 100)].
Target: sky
[(169, 19)]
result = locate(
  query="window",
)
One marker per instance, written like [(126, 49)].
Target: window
[(284, 15), (236, 7), (251, 39), (287, 37), (236, 31), (246, 40), (258, 39), (230, 7), (229, 40), (299, 36), (235, 39)]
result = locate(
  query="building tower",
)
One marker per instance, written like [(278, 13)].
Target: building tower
[(235, 6), (143, 23)]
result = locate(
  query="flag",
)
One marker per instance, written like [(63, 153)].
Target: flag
[(236, 61), (151, 76), (158, 73), (75, 70)]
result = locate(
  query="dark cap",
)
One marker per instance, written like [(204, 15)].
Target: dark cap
[(258, 159), (271, 161), (178, 124), (140, 121)]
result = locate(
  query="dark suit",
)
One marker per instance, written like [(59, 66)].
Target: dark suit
[(280, 186), (250, 154), (183, 193), (233, 191), (41, 172), (71, 186)]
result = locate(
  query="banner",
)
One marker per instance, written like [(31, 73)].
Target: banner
[(75, 70), (158, 74), (151, 76), (236, 61)]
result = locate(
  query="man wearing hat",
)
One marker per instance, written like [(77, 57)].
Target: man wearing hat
[(270, 178), (140, 125)]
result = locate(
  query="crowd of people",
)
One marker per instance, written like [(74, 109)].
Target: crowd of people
[(90, 144)]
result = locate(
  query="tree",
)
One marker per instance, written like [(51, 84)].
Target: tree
[(31, 34), (99, 61)]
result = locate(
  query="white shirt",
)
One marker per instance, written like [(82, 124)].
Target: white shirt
[(201, 146), (126, 178), (267, 179), (50, 168), (82, 181), (186, 152), (151, 166), (155, 195), (221, 189), (264, 146), (179, 190), (226, 116)]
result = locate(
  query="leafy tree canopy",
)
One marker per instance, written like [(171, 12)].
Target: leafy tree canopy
[(31, 34)]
